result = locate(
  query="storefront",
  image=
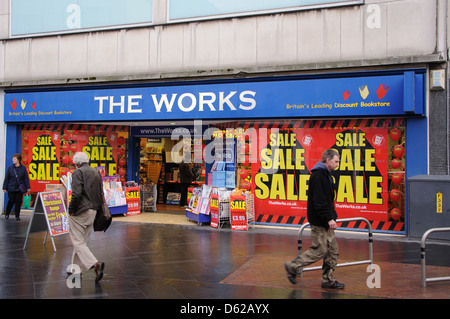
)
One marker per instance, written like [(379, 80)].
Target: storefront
[(278, 126)]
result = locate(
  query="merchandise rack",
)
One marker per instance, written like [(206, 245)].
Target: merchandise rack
[(148, 197), (250, 209), (224, 208)]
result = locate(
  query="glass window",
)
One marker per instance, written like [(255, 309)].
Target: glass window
[(59, 16), (182, 9)]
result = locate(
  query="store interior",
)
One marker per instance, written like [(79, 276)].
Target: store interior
[(159, 171)]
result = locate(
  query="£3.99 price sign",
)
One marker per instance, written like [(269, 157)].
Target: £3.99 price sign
[(238, 212)]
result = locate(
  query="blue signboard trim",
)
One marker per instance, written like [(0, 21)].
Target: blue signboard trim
[(370, 95)]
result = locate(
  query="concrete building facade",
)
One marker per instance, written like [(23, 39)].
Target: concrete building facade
[(323, 41)]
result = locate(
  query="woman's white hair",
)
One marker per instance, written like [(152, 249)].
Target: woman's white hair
[(80, 158)]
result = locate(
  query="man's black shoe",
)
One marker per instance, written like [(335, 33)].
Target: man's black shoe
[(291, 277), (333, 285)]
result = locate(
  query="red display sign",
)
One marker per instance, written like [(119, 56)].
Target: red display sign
[(214, 210), (238, 213), (133, 200)]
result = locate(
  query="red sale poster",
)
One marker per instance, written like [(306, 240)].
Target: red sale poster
[(41, 157), (102, 150)]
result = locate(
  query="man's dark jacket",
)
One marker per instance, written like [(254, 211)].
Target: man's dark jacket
[(320, 208), (11, 184), (185, 173), (87, 190)]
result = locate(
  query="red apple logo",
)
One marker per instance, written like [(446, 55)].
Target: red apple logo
[(395, 195), (397, 178), (395, 134), (396, 214), (398, 151), (396, 163)]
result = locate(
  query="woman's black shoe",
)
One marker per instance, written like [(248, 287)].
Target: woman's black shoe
[(17, 218), (6, 216)]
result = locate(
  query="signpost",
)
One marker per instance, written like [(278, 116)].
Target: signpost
[(49, 214)]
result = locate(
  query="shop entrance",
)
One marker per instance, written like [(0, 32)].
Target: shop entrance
[(161, 175)]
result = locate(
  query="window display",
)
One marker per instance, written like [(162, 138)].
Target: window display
[(370, 181), (47, 151)]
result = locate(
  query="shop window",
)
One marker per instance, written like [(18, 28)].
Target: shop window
[(274, 160), (48, 151)]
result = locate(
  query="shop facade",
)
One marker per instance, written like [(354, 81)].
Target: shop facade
[(277, 127)]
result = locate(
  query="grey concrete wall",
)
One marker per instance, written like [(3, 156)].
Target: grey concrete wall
[(380, 32)]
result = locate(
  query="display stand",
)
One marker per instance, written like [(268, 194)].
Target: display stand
[(117, 210), (149, 194), (250, 209), (199, 218), (224, 211), (115, 195), (220, 207), (199, 205), (49, 214)]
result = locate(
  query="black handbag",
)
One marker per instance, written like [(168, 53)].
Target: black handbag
[(22, 187), (103, 218)]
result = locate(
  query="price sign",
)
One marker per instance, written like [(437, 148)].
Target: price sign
[(238, 212), (133, 200)]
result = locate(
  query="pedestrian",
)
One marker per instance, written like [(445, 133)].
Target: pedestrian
[(86, 200), (322, 217), (16, 175), (185, 180)]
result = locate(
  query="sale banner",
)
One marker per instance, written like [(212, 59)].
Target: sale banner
[(214, 210), (133, 200), (281, 176), (41, 157), (238, 213), (101, 148)]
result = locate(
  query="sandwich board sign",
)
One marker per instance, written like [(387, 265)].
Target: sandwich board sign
[(49, 214)]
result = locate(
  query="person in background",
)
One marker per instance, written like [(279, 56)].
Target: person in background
[(87, 193), (185, 180), (15, 175), (322, 216)]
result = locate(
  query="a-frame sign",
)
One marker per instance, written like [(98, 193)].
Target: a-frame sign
[(49, 214)]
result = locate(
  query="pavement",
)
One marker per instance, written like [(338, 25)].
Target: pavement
[(162, 256)]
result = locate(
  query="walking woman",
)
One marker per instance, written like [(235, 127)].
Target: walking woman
[(16, 175)]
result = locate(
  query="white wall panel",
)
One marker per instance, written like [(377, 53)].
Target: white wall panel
[(379, 31)]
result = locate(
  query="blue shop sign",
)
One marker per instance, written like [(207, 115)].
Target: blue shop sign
[(376, 95)]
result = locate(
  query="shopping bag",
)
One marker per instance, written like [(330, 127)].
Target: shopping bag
[(26, 202), (103, 218)]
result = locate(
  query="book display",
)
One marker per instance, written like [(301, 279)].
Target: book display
[(114, 194)]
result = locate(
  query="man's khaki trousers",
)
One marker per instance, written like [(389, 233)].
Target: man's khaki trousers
[(324, 246), (80, 227)]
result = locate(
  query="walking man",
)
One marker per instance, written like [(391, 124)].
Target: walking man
[(87, 198), (322, 217)]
